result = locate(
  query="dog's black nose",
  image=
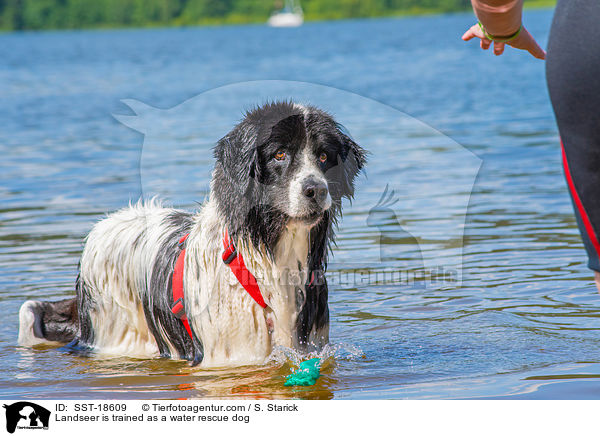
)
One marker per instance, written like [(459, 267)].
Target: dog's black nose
[(315, 189)]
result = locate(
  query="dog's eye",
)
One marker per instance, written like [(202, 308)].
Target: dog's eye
[(280, 155), (323, 157)]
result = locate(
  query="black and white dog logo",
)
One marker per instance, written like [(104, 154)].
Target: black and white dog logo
[(26, 415)]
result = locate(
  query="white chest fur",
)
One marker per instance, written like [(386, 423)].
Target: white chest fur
[(233, 328)]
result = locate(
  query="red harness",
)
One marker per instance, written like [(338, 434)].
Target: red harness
[(235, 262), (232, 259)]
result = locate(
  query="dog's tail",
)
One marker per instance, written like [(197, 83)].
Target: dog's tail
[(47, 322)]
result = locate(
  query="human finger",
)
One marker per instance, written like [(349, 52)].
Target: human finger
[(473, 32), (525, 41), (498, 48)]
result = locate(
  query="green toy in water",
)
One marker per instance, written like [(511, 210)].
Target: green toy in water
[(306, 375)]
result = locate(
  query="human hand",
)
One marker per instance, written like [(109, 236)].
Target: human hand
[(523, 41)]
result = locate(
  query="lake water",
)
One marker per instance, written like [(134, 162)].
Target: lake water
[(466, 141)]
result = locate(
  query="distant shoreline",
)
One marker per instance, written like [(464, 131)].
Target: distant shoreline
[(234, 19)]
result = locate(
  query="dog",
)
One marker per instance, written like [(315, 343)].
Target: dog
[(223, 286)]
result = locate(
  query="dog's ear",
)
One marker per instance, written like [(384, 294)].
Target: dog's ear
[(236, 176), (356, 153), (237, 159), (314, 314), (351, 160), (254, 172)]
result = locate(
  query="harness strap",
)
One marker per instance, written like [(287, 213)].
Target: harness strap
[(235, 261), (178, 308), (232, 259)]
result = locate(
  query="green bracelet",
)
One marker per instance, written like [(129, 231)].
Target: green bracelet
[(499, 38)]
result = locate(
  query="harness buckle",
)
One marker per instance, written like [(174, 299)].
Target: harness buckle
[(178, 308), (229, 254), (181, 243)]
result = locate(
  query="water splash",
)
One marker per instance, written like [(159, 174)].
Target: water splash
[(331, 353)]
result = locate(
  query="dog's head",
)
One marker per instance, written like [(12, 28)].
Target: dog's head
[(284, 165)]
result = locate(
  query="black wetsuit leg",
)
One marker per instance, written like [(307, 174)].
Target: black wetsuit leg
[(573, 74)]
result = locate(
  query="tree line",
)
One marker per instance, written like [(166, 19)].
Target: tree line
[(74, 14)]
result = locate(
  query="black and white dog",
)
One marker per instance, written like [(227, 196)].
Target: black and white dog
[(276, 192)]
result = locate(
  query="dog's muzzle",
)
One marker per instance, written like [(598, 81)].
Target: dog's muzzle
[(316, 191)]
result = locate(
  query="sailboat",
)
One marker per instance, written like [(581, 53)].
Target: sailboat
[(290, 16)]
